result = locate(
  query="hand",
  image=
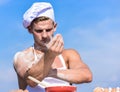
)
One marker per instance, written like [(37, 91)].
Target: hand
[(56, 45)]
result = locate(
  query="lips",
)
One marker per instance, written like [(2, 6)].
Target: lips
[(46, 40)]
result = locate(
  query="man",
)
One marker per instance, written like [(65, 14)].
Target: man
[(47, 60)]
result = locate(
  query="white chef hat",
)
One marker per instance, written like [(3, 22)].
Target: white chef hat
[(36, 10)]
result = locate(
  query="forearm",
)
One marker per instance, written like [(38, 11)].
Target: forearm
[(41, 69), (22, 83), (22, 86), (73, 75)]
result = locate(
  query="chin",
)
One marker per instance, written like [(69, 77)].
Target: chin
[(46, 43)]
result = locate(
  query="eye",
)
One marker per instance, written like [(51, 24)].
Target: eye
[(39, 31), (48, 30)]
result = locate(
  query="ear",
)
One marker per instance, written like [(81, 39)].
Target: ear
[(29, 29), (55, 27)]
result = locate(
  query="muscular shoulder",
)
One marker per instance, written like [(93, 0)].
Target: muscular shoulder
[(25, 54), (23, 60), (72, 58), (69, 54)]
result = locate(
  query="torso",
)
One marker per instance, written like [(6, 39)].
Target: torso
[(30, 57), (58, 63)]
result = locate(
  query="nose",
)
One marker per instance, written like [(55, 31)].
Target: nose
[(44, 34)]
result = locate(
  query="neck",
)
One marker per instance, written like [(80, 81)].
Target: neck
[(37, 52)]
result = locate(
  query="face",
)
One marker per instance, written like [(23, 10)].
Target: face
[(43, 32)]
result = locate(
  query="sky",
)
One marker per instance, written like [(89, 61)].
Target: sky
[(92, 27)]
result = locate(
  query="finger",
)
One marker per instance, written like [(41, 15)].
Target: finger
[(58, 35), (53, 43), (53, 47), (60, 43), (53, 40), (61, 48)]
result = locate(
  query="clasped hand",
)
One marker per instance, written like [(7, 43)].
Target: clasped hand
[(56, 45)]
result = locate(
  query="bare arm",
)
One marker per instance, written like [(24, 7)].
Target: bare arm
[(23, 60), (77, 72), (20, 68), (22, 83), (42, 68)]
